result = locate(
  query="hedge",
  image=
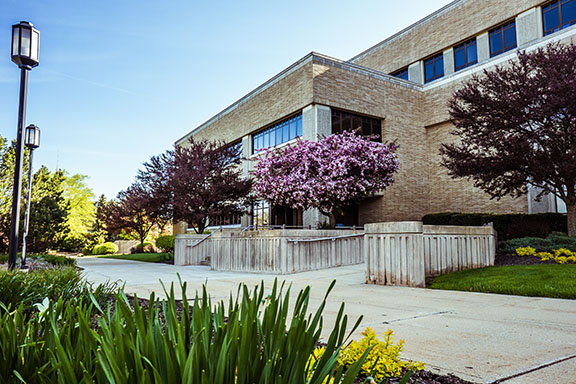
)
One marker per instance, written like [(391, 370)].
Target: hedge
[(508, 226)]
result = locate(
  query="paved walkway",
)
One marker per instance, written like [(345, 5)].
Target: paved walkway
[(482, 338)]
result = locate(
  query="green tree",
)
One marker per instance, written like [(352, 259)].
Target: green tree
[(82, 211), (49, 210), (7, 160)]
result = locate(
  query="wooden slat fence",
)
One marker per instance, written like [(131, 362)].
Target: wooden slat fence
[(405, 253), (275, 251)]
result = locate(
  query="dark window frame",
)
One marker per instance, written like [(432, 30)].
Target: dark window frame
[(437, 73), (550, 7), (500, 31), (345, 121), (463, 47), (401, 73)]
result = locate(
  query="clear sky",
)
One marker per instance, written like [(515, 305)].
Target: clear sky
[(121, 80)]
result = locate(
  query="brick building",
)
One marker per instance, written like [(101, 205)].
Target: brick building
[(399, 90)]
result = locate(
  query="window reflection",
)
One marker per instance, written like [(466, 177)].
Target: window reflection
[(282, 132)]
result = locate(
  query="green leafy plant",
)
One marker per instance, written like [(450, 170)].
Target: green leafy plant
[(166, 243), (246, 340), (105, 249), (383, 360), (18, 288)]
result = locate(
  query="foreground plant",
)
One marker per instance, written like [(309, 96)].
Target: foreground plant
[(238, 342)]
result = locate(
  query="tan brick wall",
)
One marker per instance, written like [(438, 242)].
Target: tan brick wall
[(468, 19), (460, 195), (400, 107), (286, 96)]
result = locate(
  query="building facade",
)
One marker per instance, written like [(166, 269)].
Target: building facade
[(397, 90)]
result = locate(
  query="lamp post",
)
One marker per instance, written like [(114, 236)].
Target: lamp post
[(25, 48), (31, 141)]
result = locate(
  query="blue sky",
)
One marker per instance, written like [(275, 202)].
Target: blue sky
[(120, 81)]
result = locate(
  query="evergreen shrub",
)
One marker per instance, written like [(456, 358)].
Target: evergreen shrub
[(166, 243), (508, 226)]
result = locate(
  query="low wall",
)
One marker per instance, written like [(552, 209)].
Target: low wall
[(275, 251), (124, 246), (405, 253)]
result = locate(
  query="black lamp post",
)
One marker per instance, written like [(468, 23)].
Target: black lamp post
[(25, 48), (32, 141)]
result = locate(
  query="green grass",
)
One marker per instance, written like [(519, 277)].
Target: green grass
[(147, 257), (545, 280)]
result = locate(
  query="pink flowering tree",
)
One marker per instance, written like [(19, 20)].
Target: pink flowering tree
[(326, 174)]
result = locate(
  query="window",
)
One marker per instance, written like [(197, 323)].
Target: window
[(465, 54), (282, 132), (401, 73), (558, 14), (434, 67), (503, 38), (349, 122), (237, 148), (225, 220), (261, 214)]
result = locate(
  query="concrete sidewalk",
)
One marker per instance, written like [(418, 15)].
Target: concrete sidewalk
[(482, 338)]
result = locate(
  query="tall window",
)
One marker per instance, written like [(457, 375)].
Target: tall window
[(434, 67), (503, 38), (465, 54), (558, 14), (237, 146), (282, 132), (350, 122), (401, 73), (261, 213)]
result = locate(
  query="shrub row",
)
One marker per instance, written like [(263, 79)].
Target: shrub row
[(508, 226), (549, 244)]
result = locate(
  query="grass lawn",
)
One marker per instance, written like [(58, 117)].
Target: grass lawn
[(147, 257), (542, 280)]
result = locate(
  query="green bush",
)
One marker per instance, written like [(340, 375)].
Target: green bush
[(552, 242), (105, 249), (250, 339), (143, 248), (18, 288), (508, 226), (166, 243)]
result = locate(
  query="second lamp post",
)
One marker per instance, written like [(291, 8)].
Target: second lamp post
[(32, 141)]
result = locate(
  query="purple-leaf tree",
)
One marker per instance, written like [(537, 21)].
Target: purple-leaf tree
[(133, 212), (517, 128), (196, 182), (326, 174)]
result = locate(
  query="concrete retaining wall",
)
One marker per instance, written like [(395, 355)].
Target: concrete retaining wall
[(405, 253)]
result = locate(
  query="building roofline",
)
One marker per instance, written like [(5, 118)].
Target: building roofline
[(311, 57), (427, 19)]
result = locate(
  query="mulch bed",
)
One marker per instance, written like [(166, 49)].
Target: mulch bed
[(512, 259)]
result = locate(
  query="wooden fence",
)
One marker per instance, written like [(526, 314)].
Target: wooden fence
[(275, 251), (405, 253)]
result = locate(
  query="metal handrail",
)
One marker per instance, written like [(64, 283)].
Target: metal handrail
[(333, 238), (201, 240)]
